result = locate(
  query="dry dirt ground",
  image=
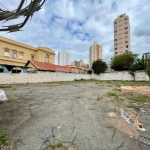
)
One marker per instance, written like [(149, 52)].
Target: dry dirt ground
[(81, 115)]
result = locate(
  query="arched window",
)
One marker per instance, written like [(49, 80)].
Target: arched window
[(47, 58), (14, 54)]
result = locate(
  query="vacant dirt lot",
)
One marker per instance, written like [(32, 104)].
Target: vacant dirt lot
[(76, 115)]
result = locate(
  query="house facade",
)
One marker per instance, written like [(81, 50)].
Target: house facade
[(14, 55)]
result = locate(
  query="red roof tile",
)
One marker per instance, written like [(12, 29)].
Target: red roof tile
[(49, 66)]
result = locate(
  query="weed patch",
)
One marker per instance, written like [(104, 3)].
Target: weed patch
[(133, 106), (3, 139), (5, 86), (98, 98), (57, 145), (117, 98), (13, 88), (10, 98), (139, 98)]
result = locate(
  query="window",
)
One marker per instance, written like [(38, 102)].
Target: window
[(115, 31), (121, 16), (126, 28), (126, 23), (116, 48), (47, 58), (126, 41), (21, 55), (115, 27), (126, 37), (116, 52), (126, 51), (32, 57), (115, 22), (125, 19), (126, 32), (14, 54), (126, 46), (6, 53), (115, 40), (116, 44)]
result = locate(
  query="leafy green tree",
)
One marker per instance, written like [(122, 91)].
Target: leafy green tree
[(99, 66), (147, 68), (139, 64), (123, 61)]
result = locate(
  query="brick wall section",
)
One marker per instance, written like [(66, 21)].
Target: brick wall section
[(52, 77)]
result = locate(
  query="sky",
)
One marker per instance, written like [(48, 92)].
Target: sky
[(75, 24)]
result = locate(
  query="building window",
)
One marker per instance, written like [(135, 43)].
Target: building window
[(115, 40), (125, 19), (115, 23), (6, 53), (116, 48), (47, 58), (126, 32), (14, 54), (126, 28), (21, 55), (116, 31), (115, 27), (32, 57), (126, 23), (116, 44), (126, 46), (126, 41), (116, 52), (126, 51), (126, 37)]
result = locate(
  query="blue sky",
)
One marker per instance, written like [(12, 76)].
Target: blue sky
[(76, 24)]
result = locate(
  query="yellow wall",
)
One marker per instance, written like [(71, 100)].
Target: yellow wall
[(31, 67), (39, 53)]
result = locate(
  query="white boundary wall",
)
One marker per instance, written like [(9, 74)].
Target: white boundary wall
[(40, 77), (56, 76), (121, 75)]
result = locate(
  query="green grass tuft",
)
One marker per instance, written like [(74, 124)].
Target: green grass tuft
[(133, 106), (117, 98), (98, 98), (57, 145), (5, 86), (3, 139)]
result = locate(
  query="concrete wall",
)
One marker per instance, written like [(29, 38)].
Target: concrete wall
[(123, 75), (56, 76), (40, 77)]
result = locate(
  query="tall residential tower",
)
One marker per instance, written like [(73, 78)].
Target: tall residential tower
[(121, 35), (95, 53), (64, 58)]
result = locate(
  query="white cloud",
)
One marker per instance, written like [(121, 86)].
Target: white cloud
[(75, 25)]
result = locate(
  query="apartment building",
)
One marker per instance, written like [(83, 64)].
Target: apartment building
[(146, 55), (14, 54), (77, 63), (95, 53), (64, 58), (122, 35)]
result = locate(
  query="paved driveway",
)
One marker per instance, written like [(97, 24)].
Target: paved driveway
[(74, 114)]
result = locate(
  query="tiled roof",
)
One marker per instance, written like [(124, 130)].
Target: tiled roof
[(49, 66)]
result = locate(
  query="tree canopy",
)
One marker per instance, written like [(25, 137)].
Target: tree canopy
[(99, 66), (123, 61)]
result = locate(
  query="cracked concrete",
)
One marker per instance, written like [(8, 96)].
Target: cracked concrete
[(32, 118)]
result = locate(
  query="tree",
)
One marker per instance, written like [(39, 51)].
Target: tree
[(123, 61), (147, 68), (139, 64), (99, 66), (27, 12)]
